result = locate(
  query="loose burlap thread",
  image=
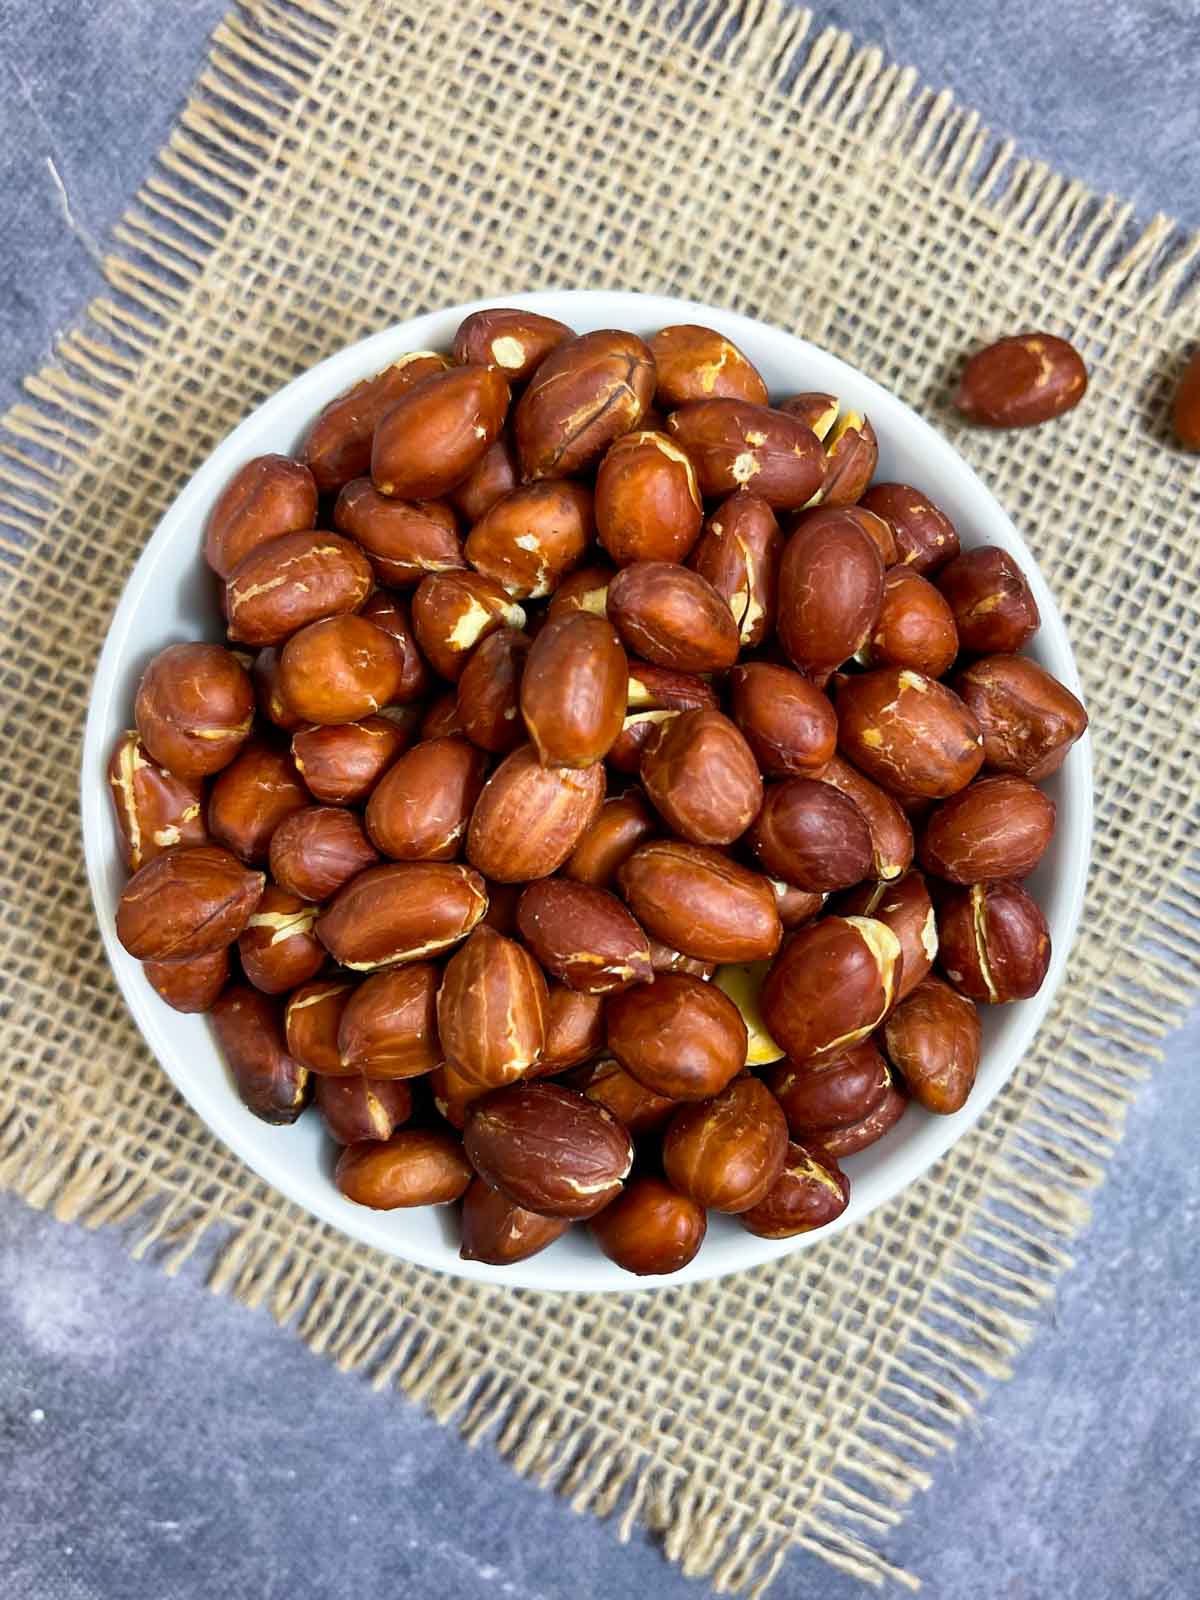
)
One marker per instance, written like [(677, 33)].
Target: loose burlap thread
[(339, 167)]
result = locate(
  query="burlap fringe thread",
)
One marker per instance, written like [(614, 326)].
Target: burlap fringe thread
[(959, 1332)]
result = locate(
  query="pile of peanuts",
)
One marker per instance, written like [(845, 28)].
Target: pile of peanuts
[(552, 822)]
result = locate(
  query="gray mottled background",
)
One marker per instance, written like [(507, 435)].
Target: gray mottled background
[(157, 1441)]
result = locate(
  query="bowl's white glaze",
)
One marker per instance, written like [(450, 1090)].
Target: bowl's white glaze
[(169, 597)]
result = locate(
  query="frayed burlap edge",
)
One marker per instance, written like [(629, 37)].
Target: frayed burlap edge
[(962, 1331)]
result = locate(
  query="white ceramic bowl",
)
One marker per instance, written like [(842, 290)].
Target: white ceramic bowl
[(169, 597)]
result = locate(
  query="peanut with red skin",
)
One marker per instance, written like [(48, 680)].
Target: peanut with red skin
[(650, 1228), (497, 1230), (1021, 381), (357, 1109), (549, 1149), (695, 363)]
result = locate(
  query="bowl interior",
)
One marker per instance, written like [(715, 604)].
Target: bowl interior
[(170, 596)]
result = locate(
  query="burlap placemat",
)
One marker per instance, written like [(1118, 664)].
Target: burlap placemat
[(339, 167)]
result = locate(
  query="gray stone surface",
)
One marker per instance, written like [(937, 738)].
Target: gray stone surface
[(158, 1441)]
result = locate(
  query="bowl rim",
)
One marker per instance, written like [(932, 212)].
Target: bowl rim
[(221, 1112)]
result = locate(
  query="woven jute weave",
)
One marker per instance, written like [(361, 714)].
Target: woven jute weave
[(341, 167)]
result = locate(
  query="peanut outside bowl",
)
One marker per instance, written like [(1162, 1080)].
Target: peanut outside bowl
[(170, 597)]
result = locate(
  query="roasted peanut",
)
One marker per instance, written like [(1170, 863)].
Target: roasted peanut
[(672, 617), (880, 533), (726, 1153), (697, 900), (574, 1030), (837, 1143), (739, 553), (820, 1095), (586, 393), (650, 1229), (638, 728), (265, 498), (585, 589), (497, 473), (994, 828), (833, 983), (678, 1036), (278, 948), (788, 724), (514, 340), (695, 363), (403, 539), (1021, 381), (358, 1109), (651, 686), (529, 817), (270, 1082), (549, 1149), (429, 440), (904, 905), (994, 944), (648, 505), (338, 447), (420, 808), (452, 1094), (809, 1193), (795, 906), (665, 958), (933, 1038), (190, 985), (851, 456), (891, 832), (154, 809), (489, 692), (528, 541), (637, 1108), (925, 537), (915, 627), (251, 797), (442, 718), (282, 586), (415, 1167), (908, 732), (1029, 719), (701, 776), (391, 612), (621, 825), (583, 936), (187, 902), (736, 445), (497, 1230), (340, 670), (194, 708), (816, 410), (993, 606), (388, 1026), (342, 763), (809, 834), (403, 911), (311, 1018), (574, 689), (830, 590), (314, 852), (491, 1009), (453, 611), (264, 674)]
